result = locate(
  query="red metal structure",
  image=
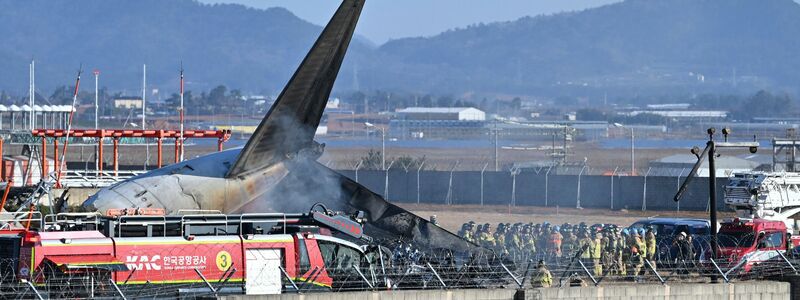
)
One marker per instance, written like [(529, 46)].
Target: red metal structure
[(221, 135)]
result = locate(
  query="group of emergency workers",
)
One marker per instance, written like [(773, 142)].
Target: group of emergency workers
[(603, 248)]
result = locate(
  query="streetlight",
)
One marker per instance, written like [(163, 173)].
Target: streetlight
[(383, 142), (633, 154), (710, 152)]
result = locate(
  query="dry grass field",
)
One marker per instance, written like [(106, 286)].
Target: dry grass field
[(451, 217)]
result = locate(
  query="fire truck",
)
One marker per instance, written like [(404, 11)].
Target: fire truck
[(248, 253), (765, 203)]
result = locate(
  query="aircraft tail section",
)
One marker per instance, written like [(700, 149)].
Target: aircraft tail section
[(290, 124)]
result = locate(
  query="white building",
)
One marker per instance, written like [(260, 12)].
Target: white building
[(726, 165), (442, 113)]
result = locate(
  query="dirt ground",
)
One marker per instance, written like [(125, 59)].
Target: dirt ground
[(451, 217)]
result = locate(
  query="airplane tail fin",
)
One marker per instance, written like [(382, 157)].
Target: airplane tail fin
[(290, 124)]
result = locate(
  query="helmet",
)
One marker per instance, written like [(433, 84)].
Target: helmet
[(641, 231), (625, 231), (556, 228)]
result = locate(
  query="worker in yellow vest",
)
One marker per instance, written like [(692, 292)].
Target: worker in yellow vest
[(650, 241), (596, 250), (542, 277)]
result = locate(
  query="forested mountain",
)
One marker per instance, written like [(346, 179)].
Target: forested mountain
[(632, 46), (251, 49), (636, 43)]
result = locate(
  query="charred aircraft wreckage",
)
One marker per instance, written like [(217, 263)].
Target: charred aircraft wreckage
[(277, 170)]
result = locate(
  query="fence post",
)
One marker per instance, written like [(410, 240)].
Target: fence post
[(612, 187), (363, 277), (437, 275), (291, 281), (358, 166), (514, 173), (482, 171), (33, 288), (419, 170), (578, 204), (678, 208), (724, 276), (116, 288), (386, 182), (546, 185), (644, 190), (519, 283), (583, 266), (449, 198), (208, 284)]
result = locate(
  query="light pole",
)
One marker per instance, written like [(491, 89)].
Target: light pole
[(96, 97), (181, 116), (383, 143), (710, 152), (633, 153)]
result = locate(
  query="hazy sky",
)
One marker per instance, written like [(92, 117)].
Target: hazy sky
[(390, 19)]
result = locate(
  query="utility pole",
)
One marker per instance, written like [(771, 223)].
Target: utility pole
[(181, 117), (711, 152), (32, 99), (633, 155), (383, 149), (496, 150), (96, 98), (144, 96)]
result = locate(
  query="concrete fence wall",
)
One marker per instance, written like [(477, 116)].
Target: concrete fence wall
[(537, 189)]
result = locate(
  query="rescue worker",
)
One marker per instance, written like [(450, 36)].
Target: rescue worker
[(638, 252), (569, 242), (685, 252), (434, 220), (515, 243), (621, 252), (554, 243), (464, 233), (486, 238), (607, 256), (650, 241), (596, 249), (500, 239), (584, 243), (529, 242), (542, 278)]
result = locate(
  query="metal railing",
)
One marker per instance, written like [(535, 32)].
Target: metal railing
[(93, 178)]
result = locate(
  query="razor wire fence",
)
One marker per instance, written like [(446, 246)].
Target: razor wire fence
[(408, 269)]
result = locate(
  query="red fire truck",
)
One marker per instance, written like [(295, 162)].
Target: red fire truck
[(253, 253), (746, 243)]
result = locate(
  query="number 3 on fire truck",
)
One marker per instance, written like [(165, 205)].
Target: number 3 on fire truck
[(223, 260)]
